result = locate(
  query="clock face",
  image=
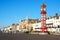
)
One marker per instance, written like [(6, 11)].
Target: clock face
[(44, 9)]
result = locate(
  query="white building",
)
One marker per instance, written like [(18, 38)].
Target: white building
[(52, 24), (36, 26)]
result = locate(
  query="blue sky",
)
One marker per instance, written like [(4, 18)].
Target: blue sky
[(11, 11)]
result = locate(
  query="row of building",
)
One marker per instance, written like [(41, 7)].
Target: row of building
[(52, 24), (23, 26)]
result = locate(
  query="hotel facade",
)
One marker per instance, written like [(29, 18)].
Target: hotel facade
[(52, 24)]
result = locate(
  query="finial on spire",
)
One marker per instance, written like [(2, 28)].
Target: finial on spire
[(43, 5), (57, 16), (56, 13)]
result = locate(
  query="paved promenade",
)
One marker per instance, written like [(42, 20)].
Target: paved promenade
[(21, 36)]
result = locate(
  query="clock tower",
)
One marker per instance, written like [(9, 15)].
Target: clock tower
[(43, 18)]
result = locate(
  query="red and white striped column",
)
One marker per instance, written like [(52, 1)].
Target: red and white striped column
[(43, 18)]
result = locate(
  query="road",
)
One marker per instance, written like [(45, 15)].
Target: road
[(23, 36)]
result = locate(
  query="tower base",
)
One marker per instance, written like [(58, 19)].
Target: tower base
[(43, 31)]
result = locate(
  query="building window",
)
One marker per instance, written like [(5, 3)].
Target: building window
[(36, 25), (37, 28), (59, 29), (58, 26), (10, 28)]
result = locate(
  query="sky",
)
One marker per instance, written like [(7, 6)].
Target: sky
[(12, 11)]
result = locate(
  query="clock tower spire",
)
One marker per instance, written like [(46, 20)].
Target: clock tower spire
[(43, 18)]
